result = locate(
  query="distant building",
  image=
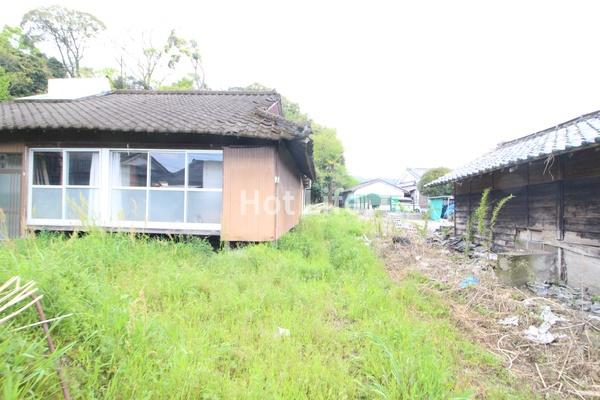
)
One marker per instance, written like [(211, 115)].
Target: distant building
[(408, 181), (375, 194)]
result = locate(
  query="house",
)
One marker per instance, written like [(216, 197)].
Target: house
[(554, 175), (375, 193), (408, 181), (220, 163)]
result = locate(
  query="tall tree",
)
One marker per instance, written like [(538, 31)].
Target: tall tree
[(70, 30), (143, 65), (191, 51)]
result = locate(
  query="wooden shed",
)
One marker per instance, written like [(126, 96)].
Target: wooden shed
[(554, 175), (223, 163)]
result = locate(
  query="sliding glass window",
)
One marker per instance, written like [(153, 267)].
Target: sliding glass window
[(163, 186), (65, 185)]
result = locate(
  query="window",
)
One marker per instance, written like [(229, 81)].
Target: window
[(165, 186), (65, 185), (137, 188)]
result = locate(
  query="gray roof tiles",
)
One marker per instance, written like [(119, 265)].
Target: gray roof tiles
[(233, 113), (576, 133)]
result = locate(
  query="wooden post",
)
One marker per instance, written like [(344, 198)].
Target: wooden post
[(560, 200)]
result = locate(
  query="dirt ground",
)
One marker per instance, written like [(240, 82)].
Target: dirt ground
[(569, 367)]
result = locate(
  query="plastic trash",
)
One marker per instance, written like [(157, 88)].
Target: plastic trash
[(512, 320), (469, 281), (282, 332)]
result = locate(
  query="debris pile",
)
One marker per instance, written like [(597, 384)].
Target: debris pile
[(576, 299)]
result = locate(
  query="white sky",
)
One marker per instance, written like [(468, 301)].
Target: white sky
[(406, 83)]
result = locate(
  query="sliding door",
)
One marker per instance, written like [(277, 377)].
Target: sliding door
[(10, 195)]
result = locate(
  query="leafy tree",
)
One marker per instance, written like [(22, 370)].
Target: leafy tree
[(191, 50), (70, 30), (25, 69), (182, 84), (430, 176), (329, 164), (4, 85)]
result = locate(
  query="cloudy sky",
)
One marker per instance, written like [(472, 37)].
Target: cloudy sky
[(405, 83)]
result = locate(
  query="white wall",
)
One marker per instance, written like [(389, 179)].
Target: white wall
[(379, 188)]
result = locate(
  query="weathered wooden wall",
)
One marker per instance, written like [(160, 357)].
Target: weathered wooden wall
[(556, 205)]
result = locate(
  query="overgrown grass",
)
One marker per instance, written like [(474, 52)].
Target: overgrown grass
[(158, 319)]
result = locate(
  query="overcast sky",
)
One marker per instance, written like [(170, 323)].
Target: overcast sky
[(405, 83)]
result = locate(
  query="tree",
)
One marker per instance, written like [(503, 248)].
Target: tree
[(24, 68), (430, 176), (191, 51), (143, 64), (182, 84), (70, 30), (329, 164)]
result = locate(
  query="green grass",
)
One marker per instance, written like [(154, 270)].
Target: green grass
[(156, 319)]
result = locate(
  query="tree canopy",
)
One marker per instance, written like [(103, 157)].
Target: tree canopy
[(430, 176), (24, 69), (70, 30)]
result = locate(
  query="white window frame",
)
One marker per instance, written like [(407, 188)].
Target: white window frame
[(105, 189)]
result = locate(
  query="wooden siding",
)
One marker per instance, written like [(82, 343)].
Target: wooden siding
[(554, 199), (290, 185), (248, 193)]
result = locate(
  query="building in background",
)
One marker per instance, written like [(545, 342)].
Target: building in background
[(408, 181), (376, 194)]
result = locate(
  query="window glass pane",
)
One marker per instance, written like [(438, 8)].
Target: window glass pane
[(46, 203), (205, 170), (128, 205), (47, 168), (82, 204), (167, 169), (83, 168), (129, 169), (204, 207), (10, 161), (165, 206)]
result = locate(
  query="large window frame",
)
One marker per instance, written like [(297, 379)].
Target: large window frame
[(105, 188)]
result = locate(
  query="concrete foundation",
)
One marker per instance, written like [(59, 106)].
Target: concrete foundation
[(518, 268)]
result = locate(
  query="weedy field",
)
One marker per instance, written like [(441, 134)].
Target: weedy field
[(156, 319)]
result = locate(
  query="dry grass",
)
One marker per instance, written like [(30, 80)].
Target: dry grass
[(567, 368)]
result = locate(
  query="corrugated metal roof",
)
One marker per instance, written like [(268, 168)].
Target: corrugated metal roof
[(576, 133)]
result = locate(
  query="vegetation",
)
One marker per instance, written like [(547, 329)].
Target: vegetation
[(485, 222), (430, 176), (70, 30), (24, 69), (158, 318)]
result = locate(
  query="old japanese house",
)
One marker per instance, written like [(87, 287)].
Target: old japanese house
[(554, 176), (223, 163)]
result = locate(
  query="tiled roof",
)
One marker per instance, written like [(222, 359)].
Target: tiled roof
[(234, 113), (576, 133)]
